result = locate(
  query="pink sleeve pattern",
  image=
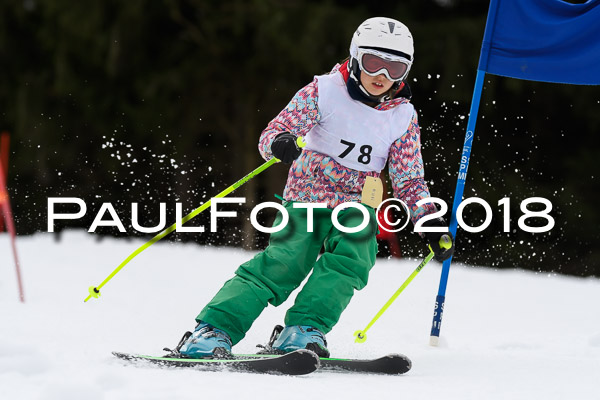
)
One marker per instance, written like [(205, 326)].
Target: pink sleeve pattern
[(407, 173), (298, 117)]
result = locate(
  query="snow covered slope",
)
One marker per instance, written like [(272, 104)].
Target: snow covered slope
[(506, 334)]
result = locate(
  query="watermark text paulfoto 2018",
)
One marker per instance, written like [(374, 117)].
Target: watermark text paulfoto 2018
[(395, 213)]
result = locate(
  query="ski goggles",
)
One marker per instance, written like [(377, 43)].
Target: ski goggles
[(374, 63)]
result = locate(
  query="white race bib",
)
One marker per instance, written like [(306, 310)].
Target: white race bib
[(352, 133)]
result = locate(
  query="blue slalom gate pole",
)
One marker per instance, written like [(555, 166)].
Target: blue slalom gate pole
[(458, 194), (440, 300)]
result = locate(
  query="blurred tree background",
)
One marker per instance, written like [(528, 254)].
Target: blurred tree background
[(163, 101)]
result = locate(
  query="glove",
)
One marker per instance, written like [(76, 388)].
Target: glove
[(285, 147), (442, 243)]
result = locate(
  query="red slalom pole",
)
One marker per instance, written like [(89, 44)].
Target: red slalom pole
[(385, 234), (5, 208), (4, 143)]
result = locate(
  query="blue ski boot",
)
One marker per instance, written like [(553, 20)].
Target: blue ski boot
[(206, 341), (291, 338)]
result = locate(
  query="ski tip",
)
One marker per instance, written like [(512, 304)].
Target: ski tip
[(123, 356), (298, 362), (312, 354), (399, 363)]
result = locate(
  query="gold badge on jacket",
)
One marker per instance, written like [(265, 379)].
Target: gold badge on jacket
[(372, 192)]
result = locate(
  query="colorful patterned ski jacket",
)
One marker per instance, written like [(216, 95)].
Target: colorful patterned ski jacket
[(318, 178)]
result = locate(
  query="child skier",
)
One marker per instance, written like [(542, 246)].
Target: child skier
[(354, 120)]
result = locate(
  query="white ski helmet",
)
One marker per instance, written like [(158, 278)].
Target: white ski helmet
[(387, 39)]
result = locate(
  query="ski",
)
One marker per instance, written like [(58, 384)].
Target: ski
[(299, 362), (391, 364)]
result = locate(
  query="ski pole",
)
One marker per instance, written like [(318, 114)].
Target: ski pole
[(94, 291), (361, 336)]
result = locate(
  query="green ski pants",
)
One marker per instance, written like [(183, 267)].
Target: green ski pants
[(292, 253)]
